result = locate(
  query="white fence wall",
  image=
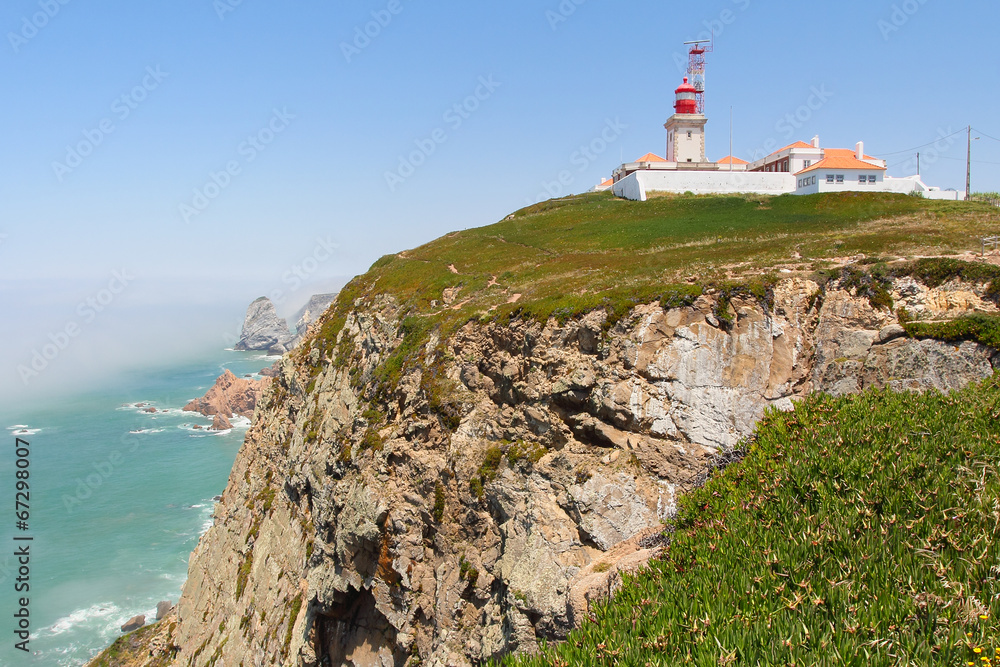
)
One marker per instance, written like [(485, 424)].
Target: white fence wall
[(636, 185)]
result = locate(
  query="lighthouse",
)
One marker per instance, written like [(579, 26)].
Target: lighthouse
[(686, 128)]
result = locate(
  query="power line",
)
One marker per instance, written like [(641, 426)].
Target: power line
[(915, 148), (986, 135), (958, 159)]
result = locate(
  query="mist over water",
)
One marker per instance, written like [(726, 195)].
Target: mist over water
[(119, 496), (58, 338)]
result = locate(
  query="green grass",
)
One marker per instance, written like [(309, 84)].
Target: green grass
[(293, 616), (980, 328), (860, 530), (570, 256)]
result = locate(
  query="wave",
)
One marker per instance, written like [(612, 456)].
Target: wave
[(22, 429), (79, 617), (240, 422)]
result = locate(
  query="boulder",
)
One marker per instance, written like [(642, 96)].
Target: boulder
[(262, 328), (221, 423), (163, 608), (134, 623)]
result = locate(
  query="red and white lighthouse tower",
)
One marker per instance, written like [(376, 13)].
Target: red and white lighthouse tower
[(686, 128), (687, 99)]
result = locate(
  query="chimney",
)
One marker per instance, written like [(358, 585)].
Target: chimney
[(816, 141), (860, 150)]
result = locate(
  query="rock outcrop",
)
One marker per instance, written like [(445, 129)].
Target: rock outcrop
[(228, 397), (484, 498), (263, 329), (163, 608), (316, 306), (133, 624)]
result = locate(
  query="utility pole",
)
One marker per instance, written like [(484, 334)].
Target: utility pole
[(968, 169), (918, 164)]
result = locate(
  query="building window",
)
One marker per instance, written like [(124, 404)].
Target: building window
[(689, 134), (840, 178), (829, 178), (872, 179), (806, 164), (862, 179)]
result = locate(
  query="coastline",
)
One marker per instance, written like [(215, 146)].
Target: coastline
[(121, 500)]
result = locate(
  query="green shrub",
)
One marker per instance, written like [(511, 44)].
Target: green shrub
[(371, 441), (466, 572), (984, 329), (441, 393), (858, 531), (243, 575), (293, 616)]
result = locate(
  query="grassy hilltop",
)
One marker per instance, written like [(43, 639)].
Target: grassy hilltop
[(859, 530), (570, 255)]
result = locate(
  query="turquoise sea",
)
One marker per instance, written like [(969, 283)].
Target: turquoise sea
[(119, 497)]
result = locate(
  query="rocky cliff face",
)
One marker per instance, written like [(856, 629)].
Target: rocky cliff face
[(263, 329), (485, 499), (309, 313)]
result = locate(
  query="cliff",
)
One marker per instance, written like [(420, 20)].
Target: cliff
[(448, 470)]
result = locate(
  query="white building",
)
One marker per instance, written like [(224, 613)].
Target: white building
[(800, 168), (841, 170), (790, 159)]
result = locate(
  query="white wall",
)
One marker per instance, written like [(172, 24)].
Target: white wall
[(630, 187), (911, 184), (635, 186)]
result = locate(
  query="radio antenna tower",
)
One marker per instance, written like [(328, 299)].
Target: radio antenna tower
[(696, 67)]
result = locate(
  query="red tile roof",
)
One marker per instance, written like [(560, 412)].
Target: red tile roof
[(729, 159), (847, 161), (797, 144), (843, 152), (649, 157), (607, 181)]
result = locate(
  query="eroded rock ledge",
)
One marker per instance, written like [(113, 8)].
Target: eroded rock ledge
[(371, 533)]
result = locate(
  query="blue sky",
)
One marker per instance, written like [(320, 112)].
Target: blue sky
[(219, 150)]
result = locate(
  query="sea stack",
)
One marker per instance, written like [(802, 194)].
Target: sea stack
[(263, 329)]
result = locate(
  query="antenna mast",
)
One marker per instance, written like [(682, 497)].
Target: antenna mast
[(696, 67)]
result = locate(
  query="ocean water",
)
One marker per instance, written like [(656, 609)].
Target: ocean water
[(119, 498)]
